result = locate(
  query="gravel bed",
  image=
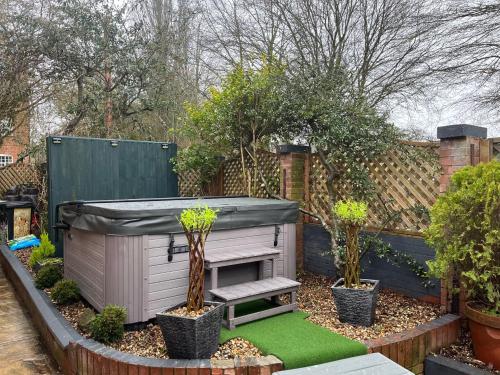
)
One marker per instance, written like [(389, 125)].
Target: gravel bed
[(395, 313), (462, 352), (23, 255), (147, 342)]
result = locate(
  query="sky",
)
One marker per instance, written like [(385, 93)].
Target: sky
[(446, 106)]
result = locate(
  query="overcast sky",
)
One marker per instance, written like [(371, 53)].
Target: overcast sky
[(445, 106)]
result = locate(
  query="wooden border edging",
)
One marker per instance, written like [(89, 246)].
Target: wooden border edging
[(77, 355), (410, 348)]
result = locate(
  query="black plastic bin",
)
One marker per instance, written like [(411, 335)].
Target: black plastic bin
[(17, 215)]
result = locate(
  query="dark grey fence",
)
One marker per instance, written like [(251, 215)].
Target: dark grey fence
[(397, 278), (102, 169)]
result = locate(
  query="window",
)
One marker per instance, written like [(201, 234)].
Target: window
[(5, 160)]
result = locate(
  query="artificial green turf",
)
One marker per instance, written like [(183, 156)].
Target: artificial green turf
[(293, 339)]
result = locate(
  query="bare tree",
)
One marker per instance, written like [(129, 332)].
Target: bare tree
[(242, 32), (21, 85), (470, 51), (385, 45), (173, 27)]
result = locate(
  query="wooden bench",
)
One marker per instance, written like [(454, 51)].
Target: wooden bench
[(230, 257), (369, 364), (254, 290)]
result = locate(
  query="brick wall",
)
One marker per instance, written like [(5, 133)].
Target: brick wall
[(455, 153), (293, 169), (16, 143)]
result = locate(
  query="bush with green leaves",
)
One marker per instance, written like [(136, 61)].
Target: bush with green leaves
[(47, 276), (45, 250), (351, 214), (107, 326), (200, 159), (465, 232), (65, 292), (237, 119)]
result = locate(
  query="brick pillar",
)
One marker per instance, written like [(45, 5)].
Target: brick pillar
[(460, 145), (293, 164)]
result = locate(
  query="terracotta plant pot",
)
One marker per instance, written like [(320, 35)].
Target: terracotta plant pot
[(485, 332)]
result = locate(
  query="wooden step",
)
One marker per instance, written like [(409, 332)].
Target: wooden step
[(253, 290), (231, 257)]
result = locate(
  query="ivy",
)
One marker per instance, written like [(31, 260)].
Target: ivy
[(395, 257)]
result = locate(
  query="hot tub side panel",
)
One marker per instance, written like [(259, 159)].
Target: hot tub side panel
[(125, 270), (84, 262), (168, 281)]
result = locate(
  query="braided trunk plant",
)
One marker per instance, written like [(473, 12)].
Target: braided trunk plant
[(351, 215), (197, 223)]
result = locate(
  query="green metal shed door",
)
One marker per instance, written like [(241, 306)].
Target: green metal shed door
[(95, 169)]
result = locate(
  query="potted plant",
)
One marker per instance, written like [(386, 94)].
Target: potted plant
[(191, 330), (465, 232), (355, 298)]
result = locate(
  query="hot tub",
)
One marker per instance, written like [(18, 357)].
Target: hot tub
[(134, 253)]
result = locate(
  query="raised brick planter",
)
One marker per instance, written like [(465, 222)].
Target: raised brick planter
[(77, 355), (410, 348)]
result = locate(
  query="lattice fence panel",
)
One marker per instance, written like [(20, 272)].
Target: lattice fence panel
[(404, 188), (189, 185), (496, 148), (269, 166), (16, 174)]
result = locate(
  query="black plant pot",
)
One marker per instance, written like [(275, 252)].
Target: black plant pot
[(192, 338), (356, 306)]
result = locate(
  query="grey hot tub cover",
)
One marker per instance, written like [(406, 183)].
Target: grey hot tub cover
[(138, 217)]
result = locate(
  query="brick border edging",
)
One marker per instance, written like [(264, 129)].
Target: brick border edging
[(410, 348), (77, 355)]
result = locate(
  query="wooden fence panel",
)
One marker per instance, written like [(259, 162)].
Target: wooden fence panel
[(188, 184), (16, 174), (404, 188), (269, 166)]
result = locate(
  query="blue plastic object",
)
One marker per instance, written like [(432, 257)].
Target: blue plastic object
[(23, 244)]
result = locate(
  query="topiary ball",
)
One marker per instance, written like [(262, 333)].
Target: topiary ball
[(48, 276), (107, 326), (65, 292)]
